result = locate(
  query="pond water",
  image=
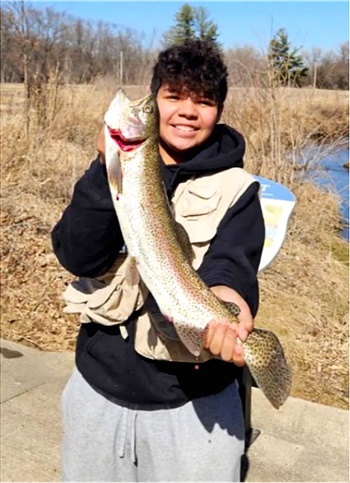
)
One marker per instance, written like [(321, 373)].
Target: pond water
[(335, 177)]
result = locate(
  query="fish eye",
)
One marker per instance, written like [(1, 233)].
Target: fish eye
[(148, 109)]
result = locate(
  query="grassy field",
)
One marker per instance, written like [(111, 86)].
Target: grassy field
[(304, 294)]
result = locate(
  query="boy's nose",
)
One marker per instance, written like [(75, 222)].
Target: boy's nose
[(187, 108)]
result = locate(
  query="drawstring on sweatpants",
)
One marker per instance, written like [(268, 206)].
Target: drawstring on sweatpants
[(128, 433)]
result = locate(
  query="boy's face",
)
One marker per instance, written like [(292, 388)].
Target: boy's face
[(186, 120)]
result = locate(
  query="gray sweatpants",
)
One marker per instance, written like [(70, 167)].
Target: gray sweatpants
[(202, 440)]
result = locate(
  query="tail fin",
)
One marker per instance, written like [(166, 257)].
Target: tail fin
[(265, 358)]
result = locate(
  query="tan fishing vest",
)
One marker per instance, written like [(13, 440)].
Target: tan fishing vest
[(199, 204)]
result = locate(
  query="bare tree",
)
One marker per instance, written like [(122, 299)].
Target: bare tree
[(245, 65), (313, 60), (16, 29), (329, 70), (44, 48)]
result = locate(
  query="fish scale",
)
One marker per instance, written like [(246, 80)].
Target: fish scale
[(149, 231)]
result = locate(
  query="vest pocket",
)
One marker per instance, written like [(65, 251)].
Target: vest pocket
[(196, 209), (200, 198)]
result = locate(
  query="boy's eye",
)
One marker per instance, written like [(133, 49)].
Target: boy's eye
[(206, 102)]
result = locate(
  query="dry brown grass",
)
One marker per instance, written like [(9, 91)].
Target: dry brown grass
[(275, 121), (304, 299), (304, 294)]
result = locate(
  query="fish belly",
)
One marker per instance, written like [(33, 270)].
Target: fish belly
[(170, 289)]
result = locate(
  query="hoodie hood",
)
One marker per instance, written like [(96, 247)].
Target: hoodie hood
[(223, 150)]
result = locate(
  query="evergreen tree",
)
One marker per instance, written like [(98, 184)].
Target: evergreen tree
[(191, 23), (205, 28), (287, 65)]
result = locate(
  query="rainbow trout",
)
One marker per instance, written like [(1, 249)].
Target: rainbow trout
[(159, 248)]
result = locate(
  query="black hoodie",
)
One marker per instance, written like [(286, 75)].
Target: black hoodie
[(86, 241)]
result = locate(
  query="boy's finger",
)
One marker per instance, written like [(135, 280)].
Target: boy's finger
[(100, 145), (238, 356), (218, 338), (229, 343)]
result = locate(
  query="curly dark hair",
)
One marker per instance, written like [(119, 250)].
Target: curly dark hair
[(196, 66)]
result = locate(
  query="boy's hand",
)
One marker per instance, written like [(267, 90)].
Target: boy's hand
[(221, 336), (100, 145)]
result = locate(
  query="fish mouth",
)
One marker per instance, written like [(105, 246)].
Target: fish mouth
[(124, 144)]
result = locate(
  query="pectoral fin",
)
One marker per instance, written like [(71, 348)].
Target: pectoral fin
[(132, 275), (184, 241)]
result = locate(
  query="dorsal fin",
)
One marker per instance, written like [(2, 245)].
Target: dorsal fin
[(232, 307)]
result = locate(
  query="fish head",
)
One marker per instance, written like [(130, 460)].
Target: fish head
[(130, 123), (130, 126)]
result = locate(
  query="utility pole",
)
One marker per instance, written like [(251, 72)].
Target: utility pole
[(121, 68), (315, 75)]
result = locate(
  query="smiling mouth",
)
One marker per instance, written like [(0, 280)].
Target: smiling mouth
[(185, 129), (124, 144)]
